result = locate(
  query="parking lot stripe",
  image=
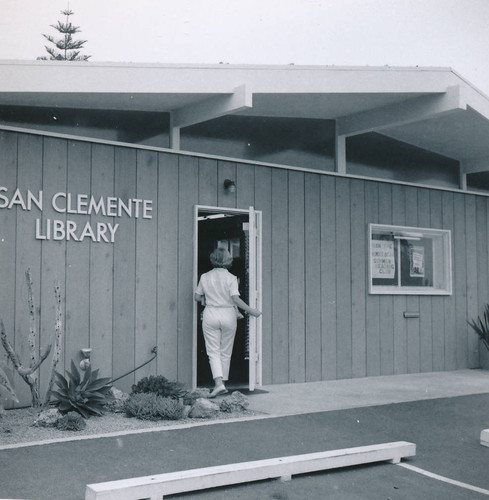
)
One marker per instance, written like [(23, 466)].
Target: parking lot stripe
[(444, 479)]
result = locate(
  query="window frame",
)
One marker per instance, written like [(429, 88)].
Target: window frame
[(444, 237)]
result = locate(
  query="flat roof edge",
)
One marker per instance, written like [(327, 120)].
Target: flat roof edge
[(223, 66)]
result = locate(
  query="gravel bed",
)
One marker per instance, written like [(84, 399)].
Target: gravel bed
[(17, 426)]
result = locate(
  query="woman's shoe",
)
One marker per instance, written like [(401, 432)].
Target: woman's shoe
[(218, 391)]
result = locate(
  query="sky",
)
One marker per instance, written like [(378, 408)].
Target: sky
[(440, 33)]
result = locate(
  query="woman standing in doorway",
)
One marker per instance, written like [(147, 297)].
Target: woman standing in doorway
[(218, 292)]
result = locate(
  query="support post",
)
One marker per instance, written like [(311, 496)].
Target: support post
[(340, 154)]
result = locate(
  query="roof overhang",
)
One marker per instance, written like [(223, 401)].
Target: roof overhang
[(431, 108)]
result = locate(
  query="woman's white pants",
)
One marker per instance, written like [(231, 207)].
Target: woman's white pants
[(219, 327)]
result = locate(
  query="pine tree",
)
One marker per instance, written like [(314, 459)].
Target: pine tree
[(66, 48)]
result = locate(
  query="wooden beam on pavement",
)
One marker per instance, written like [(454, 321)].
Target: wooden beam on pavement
[(485, 437), (155, 487)]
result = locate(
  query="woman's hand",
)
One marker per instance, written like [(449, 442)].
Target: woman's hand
[(254, 312)]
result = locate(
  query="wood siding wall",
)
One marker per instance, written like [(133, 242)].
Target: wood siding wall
[(319, 321)]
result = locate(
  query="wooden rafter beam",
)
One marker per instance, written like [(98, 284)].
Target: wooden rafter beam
[(213, 107), (409, 111)]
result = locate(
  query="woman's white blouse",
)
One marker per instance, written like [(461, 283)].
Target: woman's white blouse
[(218, 286)]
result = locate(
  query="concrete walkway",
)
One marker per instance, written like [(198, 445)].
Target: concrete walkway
[(296, 399)]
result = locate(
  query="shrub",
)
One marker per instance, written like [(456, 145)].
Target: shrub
[(160, 386), (481, 326), (150, 406), (72, 421), (85, 396)]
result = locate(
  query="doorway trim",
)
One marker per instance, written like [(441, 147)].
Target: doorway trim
[(256, 355)]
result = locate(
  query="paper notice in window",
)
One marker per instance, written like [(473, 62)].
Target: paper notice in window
[(416, 267), (383, 262)]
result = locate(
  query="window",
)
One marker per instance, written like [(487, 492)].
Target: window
[(409, 260)]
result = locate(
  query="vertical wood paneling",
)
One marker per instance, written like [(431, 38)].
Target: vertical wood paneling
[(460, 279), (52, 252), (8, 179), (146, 263), (319, 321), (123, 347), (28, 250), (312, 248), (412, 301), (188, 189), (77, 319), (482, 259), (245, 186), (343, 280), (449, 302), (472, 278), (263, 200), (373, 301), (437, 303), (167, 307), (101, 263), (280, 278), (328, 277), (425, 317), (386, 301), (358, 279), (297, 341), (208, 181), (400, 303)]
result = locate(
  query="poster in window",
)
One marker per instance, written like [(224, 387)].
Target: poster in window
[(416, 267), (383, 261)]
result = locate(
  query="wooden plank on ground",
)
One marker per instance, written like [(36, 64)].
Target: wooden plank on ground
[(153, 487), (485, 437)]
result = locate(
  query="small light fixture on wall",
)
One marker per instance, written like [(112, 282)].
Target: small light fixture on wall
[(230, 186)]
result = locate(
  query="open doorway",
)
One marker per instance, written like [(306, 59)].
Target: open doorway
[(230, 229)]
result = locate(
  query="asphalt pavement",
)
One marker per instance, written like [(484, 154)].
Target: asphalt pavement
[(445, 428)]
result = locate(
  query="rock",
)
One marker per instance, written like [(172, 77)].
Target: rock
[(237, 402), (203, 408), (48, 418), (116, 402), (191, 397)]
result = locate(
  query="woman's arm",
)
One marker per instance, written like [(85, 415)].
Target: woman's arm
[(245, 307), (199, 298)]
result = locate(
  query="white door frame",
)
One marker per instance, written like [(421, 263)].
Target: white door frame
[(255, 364)]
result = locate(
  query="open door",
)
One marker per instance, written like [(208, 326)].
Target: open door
[(240, 232), (254, 275)]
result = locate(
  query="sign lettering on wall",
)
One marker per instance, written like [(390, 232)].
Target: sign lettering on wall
[(77, 204)]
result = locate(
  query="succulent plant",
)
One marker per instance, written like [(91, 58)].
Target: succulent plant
[(160, 386), (481, 326), (87, 396)]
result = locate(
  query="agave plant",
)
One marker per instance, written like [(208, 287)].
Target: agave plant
[(481, 326), (87, 396)]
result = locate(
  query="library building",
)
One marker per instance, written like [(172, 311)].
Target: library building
[(353, 200)]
